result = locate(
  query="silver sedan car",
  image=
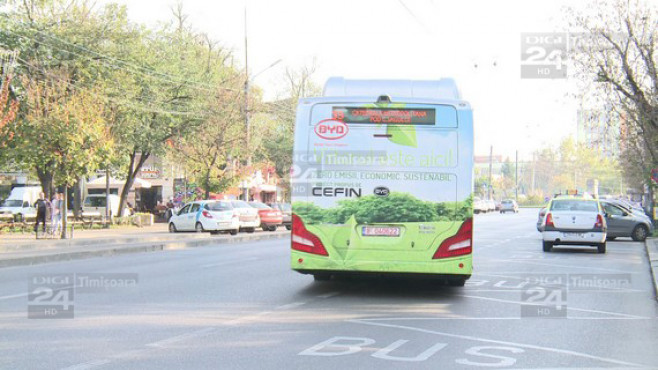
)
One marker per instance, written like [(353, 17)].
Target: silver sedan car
[(625, 222)]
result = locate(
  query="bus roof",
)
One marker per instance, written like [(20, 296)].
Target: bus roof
[(445, 88)]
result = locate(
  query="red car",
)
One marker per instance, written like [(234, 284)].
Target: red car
[(270, 218)]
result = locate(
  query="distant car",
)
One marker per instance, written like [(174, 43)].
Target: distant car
[(270, 218), (509, 205), (95, 205), (206, 215), (247, 215), (286, 210), (499, 205), (574, 222), (540, 220), (623, 222)]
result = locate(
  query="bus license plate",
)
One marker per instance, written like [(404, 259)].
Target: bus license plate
[(380, 231)]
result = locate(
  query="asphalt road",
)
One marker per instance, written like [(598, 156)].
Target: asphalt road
[(238, 306)]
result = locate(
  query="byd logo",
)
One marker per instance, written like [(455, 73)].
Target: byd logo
[(330, 129)]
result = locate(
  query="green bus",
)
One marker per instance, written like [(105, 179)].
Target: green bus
[(382, 181)]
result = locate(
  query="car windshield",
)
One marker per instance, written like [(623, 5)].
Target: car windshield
[(218, 206), (12, 203), (240, 204), (574, 205), (507, 202), (259, 205)]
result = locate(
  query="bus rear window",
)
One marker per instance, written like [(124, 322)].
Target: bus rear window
[(391, 116)]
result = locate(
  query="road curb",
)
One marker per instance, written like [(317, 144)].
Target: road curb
[(651, 246), (156, 246)]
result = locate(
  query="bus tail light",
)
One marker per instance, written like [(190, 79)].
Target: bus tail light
[(305, 241), (459, 244), (549, 220)]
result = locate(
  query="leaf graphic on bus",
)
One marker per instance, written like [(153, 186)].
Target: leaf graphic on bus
[(403, 135)]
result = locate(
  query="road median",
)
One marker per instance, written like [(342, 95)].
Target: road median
[(37, 252)]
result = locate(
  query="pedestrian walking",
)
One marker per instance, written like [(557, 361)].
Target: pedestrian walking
[(56, 214), (42, 205)]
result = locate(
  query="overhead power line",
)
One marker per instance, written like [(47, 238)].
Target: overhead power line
[(197, 115), (132, 68)]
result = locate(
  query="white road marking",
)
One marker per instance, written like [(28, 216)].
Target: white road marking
[(179, 338), (496, 318), (485, 340), (88, 365), (539, 304), (230, 262), (328, 295), (556, 265), (524, 276), (290, 306)]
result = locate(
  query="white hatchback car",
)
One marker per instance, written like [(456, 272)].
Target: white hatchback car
[(247, 215), (206, 215), (573, 221)]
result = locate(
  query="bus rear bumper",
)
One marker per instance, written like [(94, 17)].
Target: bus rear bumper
[(393, 275), (448, 267)]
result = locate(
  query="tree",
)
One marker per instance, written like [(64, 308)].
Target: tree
[(56, 42), (177, 60), (65, 129), (208, 153), (619, 61), (8, 110), (274, 127)]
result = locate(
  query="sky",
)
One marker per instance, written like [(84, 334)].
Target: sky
[(478, 43)]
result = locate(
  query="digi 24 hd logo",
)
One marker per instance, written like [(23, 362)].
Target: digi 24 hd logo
[(544, 55)]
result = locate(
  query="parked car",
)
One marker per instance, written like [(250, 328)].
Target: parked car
[(206, 215), (270, 218), (247, 215), (491, 205), (509, 205), (623, 222), (286, 210), (480, 206), (574, 222)]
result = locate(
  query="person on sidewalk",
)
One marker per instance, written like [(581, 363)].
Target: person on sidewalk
[(56, 206), (42, 205)]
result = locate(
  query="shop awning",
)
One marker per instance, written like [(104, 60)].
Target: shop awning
[(139, 183)]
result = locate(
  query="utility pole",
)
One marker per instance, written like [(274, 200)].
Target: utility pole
[(490, 169), (108, 217), (246, 90), (516, 177)]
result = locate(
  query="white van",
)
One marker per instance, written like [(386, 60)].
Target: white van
[(94, 205), (20, 201)]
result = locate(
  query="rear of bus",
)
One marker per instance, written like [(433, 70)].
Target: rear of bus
[(382, 181)]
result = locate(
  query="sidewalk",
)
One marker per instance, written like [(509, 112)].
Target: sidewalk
[(23, 249), (652, 252)]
